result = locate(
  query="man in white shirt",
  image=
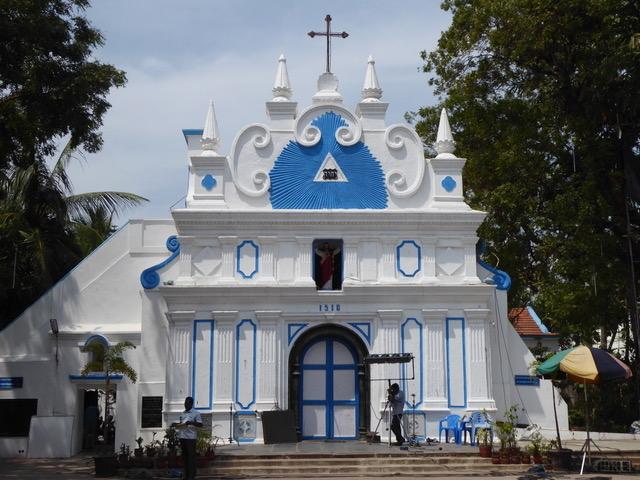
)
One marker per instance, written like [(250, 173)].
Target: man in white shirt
[(187, 428)]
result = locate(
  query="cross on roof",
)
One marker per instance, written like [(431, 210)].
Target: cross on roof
[(328, 34)]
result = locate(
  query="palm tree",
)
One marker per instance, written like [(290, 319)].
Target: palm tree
[(110, 361), (41, 233)]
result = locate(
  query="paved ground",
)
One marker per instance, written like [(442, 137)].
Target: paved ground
[(81, 467)]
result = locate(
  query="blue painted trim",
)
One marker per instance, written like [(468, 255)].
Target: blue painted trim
[(294, 329), (329, 367), (96, 376), (420, 361), (448, 183), (149, 277), (209, 182), (543, 328), (193, 364), (399, 248), (237, 369), (500, 277), (464, 363), (9, 383), (97, 338), (359, 326), (85, 259), (190, 132), (293, 184), (256, 264)]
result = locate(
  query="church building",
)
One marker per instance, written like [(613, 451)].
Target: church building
[(321, 240)]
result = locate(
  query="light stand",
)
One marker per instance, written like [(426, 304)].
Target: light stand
[(390, 358), (230, 423), (413, 440), (586, 446)]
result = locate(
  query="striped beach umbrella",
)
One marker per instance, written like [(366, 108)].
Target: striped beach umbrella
[(586, 365)]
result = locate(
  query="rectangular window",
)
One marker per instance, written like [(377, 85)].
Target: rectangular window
[(327, 264), (151, 412), (15, 416)]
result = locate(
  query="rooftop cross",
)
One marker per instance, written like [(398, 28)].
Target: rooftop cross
[(328, 34)]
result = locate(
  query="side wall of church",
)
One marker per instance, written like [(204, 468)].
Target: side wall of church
[(101, 297)]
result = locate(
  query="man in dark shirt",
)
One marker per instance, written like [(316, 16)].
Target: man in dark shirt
[(396, 402)]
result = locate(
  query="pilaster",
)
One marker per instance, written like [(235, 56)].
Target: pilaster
[(268, 364), (436, 389), (478, 388), (228, 244), (223, 350)]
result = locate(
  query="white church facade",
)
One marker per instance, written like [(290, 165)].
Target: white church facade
[(323, 237)]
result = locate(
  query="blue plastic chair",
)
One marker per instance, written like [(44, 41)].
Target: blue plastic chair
[(477, 421), (450, 423)]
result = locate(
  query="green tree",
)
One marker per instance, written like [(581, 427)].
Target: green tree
[(543, 99), (45, 229), (51, 88), (110, 361), (50, 83)]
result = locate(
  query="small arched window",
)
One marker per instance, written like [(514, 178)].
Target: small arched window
[(96, 345)]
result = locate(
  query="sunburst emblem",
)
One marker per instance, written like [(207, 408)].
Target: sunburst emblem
[(327, 175)]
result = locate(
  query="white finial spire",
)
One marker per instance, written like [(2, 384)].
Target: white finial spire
[(371, 91), (445, 146), (282, 87), (210, 135)]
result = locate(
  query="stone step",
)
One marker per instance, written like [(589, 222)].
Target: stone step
[(354, 461), (357, 470)]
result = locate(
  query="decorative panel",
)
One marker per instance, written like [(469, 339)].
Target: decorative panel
[(245, 363), (206, 261), (408, 258), (449, 260), (247, 254)]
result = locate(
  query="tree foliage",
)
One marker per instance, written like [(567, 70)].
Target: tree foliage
[(50, 85), (52, 89), (543, 98)]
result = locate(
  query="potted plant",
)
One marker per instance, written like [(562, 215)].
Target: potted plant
[(124, 454), (139, 452), (203, 445), (560, 458), (537, 447), (483, 443), (150, 448)]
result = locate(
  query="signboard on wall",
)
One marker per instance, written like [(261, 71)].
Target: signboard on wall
[(527, 380)]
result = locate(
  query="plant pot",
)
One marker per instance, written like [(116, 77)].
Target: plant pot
[(485, 451), (495, 459), (210, 454), (504, 456), (525, 458), (537, 458), (106, 466), (162, 462), (202, 462), (138, 452), (560, 459)]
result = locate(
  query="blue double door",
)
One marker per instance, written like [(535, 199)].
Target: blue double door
[(329, 390)]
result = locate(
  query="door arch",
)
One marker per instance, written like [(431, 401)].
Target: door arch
[(329, 384)]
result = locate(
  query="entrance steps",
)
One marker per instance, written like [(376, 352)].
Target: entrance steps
[(354, 465)]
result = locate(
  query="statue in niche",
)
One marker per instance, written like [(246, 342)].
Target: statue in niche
[(328, 264)]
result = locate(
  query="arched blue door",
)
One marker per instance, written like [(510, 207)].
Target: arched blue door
[(329, 390)]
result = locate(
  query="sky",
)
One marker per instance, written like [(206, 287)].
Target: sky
[(179, 55)]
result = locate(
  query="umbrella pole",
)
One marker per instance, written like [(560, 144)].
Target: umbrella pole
[(586, 403), (555, 414)]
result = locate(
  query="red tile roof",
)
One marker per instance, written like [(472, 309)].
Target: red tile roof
[(525, 325)]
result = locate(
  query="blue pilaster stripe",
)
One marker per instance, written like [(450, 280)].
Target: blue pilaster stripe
[(237, 365)]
